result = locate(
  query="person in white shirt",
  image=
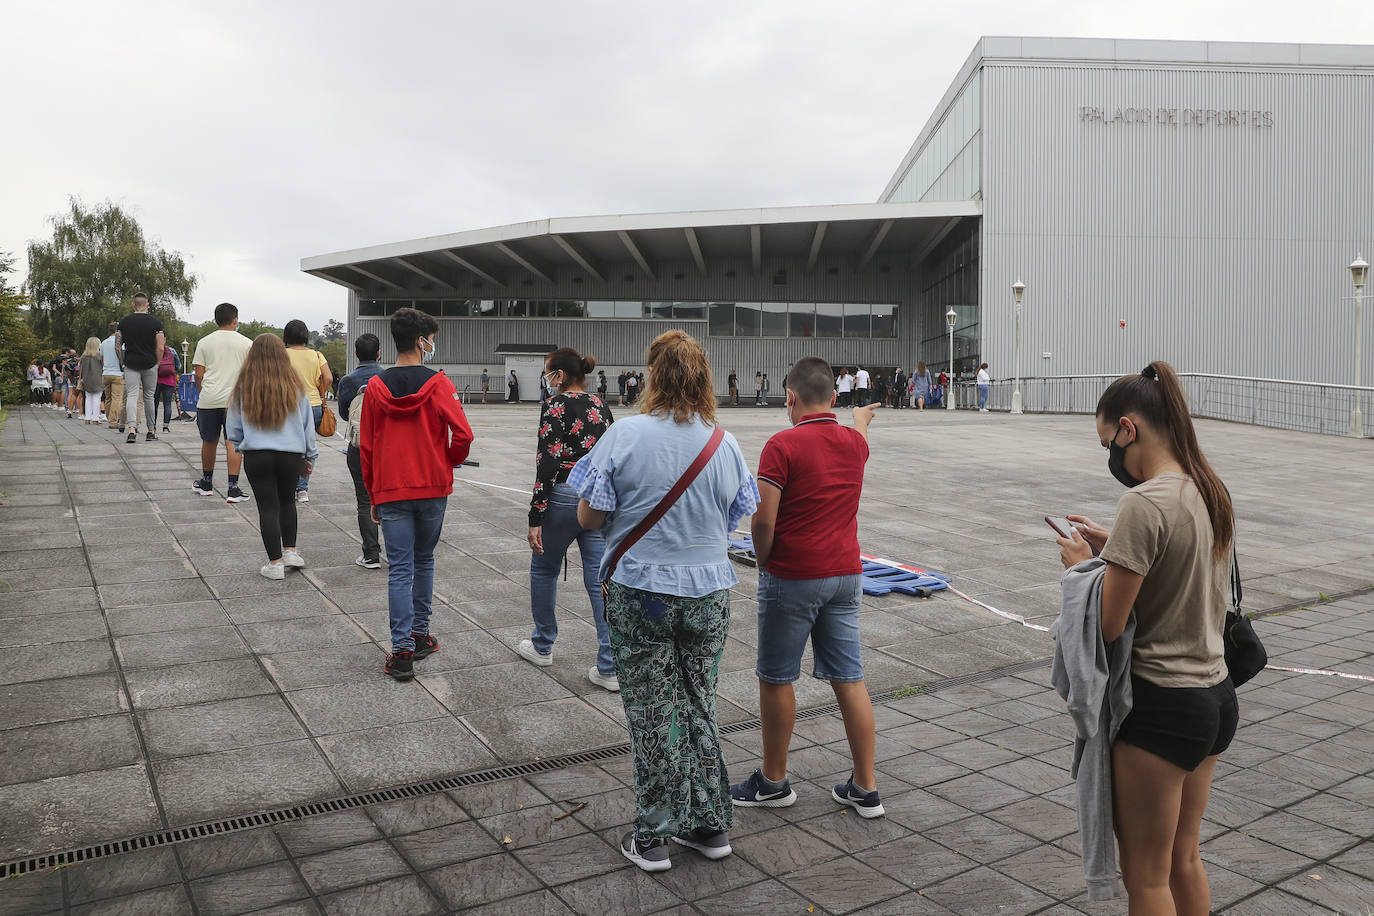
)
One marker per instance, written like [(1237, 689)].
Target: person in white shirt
[(984, 380), (862, 386), (219, 357), (845, 386)]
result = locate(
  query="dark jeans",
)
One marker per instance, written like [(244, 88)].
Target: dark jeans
[(412, 528), (273, 478), (560, 531), (166, 396), (860, 397), (366, 526), (303, 483)]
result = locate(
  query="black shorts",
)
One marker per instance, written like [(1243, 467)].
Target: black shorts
[(1183, 725), (210, 422)]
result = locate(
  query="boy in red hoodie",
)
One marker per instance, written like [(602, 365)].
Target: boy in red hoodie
[(412, 434)]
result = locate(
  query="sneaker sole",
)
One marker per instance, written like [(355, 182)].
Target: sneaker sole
[(401, 677), (421, 656), (232, 499), (198, 491), (645, 864), (540, 661), (863, 811), (710, 852), (785, 801)]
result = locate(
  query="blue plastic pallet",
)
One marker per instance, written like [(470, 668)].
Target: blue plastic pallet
[(878, 578)]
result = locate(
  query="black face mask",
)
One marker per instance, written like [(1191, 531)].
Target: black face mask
[(1116, 463)]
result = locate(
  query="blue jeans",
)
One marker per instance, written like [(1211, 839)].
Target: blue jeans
[(560, 529), (303, 483), (824, 610), (411, 528), (982, 396)]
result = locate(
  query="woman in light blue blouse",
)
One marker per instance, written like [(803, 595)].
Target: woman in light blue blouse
[(668, 598)]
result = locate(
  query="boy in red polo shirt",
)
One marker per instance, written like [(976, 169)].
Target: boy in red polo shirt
[(806, 539)]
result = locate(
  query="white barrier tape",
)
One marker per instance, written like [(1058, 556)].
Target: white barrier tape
[(495, 486), (1015, 618), (1322, 671)]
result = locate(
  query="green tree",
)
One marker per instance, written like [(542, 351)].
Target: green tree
[(334, 330), (85, 276), (18, 344), (335, 354)]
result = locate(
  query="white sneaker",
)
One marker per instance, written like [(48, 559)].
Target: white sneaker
[(529, 653), (273, 571), (365, 563), (609, 681), (292, 559), (302, 496)]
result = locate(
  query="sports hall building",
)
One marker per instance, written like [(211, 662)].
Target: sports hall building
[(1195, 201)]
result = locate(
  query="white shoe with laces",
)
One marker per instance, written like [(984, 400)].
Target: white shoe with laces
[(292, 559), (273, 571), (529, 653), (609, 681)]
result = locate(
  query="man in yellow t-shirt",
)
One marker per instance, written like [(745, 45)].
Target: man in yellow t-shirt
[(219, 357), (310, 365)]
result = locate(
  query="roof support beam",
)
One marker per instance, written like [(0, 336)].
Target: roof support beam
[(815, 251), (474, 267), (876, 239), (356, 287), (635, 253), (937, 238), (756, 247), (420, 271), (373, 275), (578, 255), (523, 261), (695, 245)]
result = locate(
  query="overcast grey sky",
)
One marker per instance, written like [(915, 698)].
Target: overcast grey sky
[(249, 135)]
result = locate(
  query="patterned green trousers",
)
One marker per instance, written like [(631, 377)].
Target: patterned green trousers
[(667, 656)]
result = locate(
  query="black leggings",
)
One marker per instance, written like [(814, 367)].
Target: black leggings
[(273, 478)]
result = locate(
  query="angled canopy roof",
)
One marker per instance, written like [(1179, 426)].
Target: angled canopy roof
[(538, 249)]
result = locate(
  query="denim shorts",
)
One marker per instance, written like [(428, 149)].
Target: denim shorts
[(826, 611)]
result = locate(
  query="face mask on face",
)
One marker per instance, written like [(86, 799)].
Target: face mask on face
[(1116, 463), (426, 354)]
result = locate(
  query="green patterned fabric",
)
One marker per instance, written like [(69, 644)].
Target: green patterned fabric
[(667, 656)]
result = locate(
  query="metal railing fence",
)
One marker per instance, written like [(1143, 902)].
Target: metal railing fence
[(1312, 407)]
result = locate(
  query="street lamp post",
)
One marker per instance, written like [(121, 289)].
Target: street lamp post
[(1018, 289), (185, 352), (1359, 273), (950, 317)]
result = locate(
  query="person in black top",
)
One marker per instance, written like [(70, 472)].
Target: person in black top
[(512, 387), (601, 383), (140, 339), (573, 421), (734, 389)]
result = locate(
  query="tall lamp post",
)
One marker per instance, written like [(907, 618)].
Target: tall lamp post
[(185, 353), (1359, 274), (950, 317), (1018, 289)]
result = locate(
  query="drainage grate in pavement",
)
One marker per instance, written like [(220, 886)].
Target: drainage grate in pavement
[(19, 867)]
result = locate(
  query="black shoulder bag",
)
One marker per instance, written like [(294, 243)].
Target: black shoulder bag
[(1245, 655)]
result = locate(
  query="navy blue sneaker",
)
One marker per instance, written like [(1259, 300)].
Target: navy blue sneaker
[(759, 792), (713, 844), (866, 803)]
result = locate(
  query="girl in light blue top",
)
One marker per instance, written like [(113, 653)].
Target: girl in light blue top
[(668, 600), (271, 423)]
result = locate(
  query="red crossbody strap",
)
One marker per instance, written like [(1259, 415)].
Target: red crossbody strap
[(667, 501)]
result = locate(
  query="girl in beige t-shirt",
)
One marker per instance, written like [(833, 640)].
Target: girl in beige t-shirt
[(1168, 561)]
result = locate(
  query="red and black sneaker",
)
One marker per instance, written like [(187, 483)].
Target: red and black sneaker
[(425, 645), (400, 665)]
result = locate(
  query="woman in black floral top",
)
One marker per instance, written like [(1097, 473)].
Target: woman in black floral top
[(573, 420)]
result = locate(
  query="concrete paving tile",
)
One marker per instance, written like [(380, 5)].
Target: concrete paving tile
[(115, 876), (984, 891), (322, 833), (39, 892), (607, 809), (366, 863), (161, 650), (1253, 857), (493, 686), (232, 782), (1305, 837), (163, 901), (243, 585), (22, 604), (138, 594), (978, 792), (1272, 902), (408, 752), (843, 885), (498, 798), (247, 890), (448, 844), (850, 833), (178, 731), (1048, 869), (919, 770), (974, 754), (72, 810), (202, 682), (571, 859), (479, 881), (626, 891), (311, 632), (145, 571), (36, 581), (400, 895), (919, 810), (1034, 776), (44, 663), (128, 621), (43, 751), (576, 782), (980, 838), (544, 729), (1039, 817), (781, 850), (367, 703), (231, 852), (325, 667), (57, 700), (540, 903), (916, 861), (532, 826), (411, 815)]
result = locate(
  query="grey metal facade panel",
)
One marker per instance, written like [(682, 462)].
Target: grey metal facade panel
[(1223, 248)]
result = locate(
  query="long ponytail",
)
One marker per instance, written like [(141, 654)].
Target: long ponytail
[(1157, 396)]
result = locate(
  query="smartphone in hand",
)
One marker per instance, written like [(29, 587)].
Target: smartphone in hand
[(1062, 526)]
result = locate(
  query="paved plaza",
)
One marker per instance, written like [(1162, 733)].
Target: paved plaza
[(150, 678)]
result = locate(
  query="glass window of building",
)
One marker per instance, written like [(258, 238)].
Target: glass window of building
[(600, 308), (884, 321), (747, 319), (455, 308), (568, 308), (658, 310), (856, 322), (430, 307), (774, 319), (722, 322), (690, 311), (629, 309), (392, 305), (371, 308), (801, 319), (829, 319)]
